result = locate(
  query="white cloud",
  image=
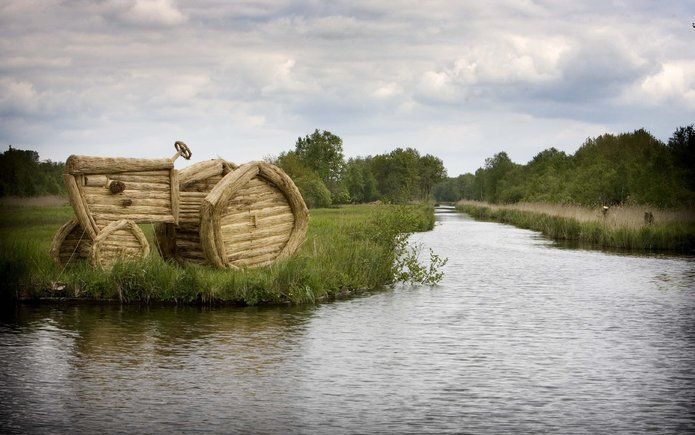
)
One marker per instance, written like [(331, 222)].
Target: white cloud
[(255, 74), (505, 60), (284, 79), (674, 82), (388, 90), (17, 97), (183, 88), (154, 12)]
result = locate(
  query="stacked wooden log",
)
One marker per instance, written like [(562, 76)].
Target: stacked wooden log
[(251, 217), (109, 196), (212, 212), (182, 242)]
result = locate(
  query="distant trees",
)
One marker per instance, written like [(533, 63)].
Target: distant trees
[(359, 180), (312, 187), (322, 152), (315, 165), (609, 169), (455, 188), (430, 171), (682, 148), (400, 176), (496, 177), (22, 174)]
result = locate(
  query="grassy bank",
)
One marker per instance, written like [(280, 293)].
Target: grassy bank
[(347, 249), (621, 227)]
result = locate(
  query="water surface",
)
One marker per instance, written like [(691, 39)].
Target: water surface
[(521, 336)]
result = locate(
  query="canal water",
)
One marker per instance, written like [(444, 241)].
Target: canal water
[(521, 336)]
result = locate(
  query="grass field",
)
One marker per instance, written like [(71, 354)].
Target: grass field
[(347, 249), (621, 227)]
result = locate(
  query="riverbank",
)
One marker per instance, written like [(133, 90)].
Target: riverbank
[(621, 227), (348, 249)]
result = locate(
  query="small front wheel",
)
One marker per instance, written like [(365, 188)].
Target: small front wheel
[(121, 240)]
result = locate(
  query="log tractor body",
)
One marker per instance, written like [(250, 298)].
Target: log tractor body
[(212, 213)]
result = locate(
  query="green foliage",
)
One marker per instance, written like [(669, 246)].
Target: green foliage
[(322, 152), (453, 189), (397, 174), (403, 175), (412, 271), (629, 168), (430, 171), (312, 188), (682, 148), (400, 176), (22, 174), (359, 181), (315, 193), (495, 176), (672, 236), (348, 249)]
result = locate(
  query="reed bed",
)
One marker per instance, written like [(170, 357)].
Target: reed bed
[(622, 227), (349, 249), (621, 216)]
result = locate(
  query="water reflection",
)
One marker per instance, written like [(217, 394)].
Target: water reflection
[(520, 337)]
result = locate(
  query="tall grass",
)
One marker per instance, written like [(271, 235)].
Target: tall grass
[(347, 249), (621, 227)]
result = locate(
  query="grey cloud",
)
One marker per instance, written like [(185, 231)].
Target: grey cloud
[(254, 75)]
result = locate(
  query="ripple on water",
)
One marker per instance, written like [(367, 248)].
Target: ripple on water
[(521, 336)]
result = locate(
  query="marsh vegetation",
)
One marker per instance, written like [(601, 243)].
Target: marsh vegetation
[(623, 227), (348, 249)]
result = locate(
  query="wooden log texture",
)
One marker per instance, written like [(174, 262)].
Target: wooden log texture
[(174, 184), (96, 180), (278, 177), (79, 205), (120, 240), (251, 217), (110, 165), (195, 182), (204, 170), (250, 228), (149, 196), (71, 245)]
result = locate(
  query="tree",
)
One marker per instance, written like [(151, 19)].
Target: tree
[(314, 192), (22, 174), (682, 148), (310, 185), (359, 181), (322, 152), (496, 167), (397, 174), (430, 171)]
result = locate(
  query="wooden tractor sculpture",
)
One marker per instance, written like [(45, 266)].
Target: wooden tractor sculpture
[(213, 212)]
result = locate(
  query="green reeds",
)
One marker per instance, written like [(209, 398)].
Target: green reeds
[(600, 232), (347, 249)]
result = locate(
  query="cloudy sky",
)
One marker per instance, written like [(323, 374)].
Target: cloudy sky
[(242, 80)]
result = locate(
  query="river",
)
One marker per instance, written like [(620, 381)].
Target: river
[(521, 336)]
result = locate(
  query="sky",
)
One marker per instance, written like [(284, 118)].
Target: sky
[(242, 80)]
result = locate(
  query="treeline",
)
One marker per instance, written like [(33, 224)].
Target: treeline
[(316, 164), (22, 174), (629, 168), (323, 175)]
